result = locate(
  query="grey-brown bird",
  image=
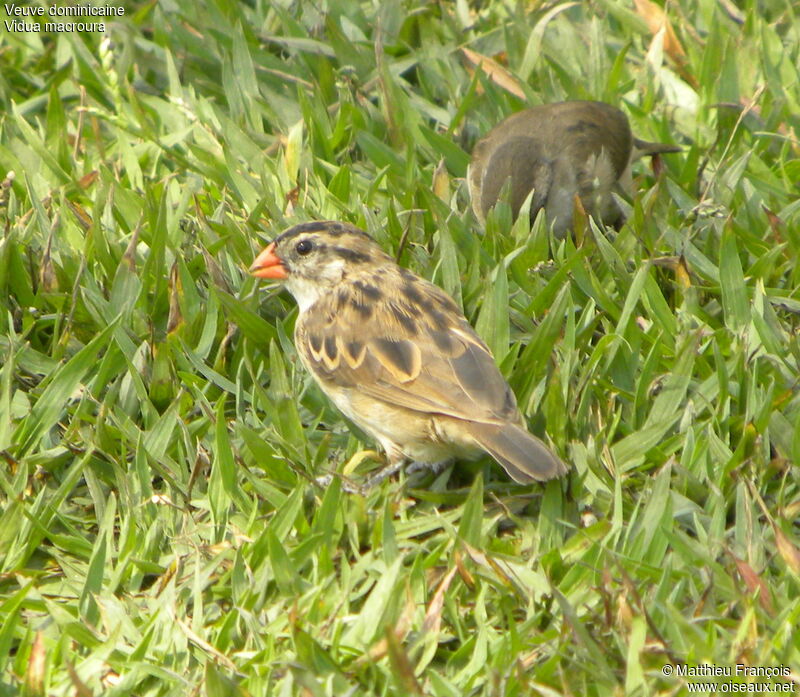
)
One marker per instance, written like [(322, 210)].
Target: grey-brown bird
[(396, 355), (558, 151)]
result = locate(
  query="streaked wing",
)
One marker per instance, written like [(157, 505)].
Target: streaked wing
[(412, 348)]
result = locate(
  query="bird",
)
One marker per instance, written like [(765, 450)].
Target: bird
[(558, 151), (397, 357)]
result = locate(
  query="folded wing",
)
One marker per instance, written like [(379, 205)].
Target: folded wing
[(416, 351)]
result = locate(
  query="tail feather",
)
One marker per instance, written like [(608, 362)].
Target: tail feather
[(642, 148), (523, 456)]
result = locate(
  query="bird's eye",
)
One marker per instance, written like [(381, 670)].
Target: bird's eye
[(304, 247)]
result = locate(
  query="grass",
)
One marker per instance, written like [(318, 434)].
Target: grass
[(160, 531)]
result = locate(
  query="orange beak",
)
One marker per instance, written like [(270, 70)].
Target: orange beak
[(268, 265)]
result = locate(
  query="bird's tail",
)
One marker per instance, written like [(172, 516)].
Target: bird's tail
[(523, 456), (643, 148)]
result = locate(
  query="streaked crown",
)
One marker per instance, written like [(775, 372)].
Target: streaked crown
[(320, 249)]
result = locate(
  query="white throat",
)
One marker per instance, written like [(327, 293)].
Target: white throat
[(307, 291)]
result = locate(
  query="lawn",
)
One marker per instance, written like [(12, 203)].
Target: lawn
[(161, 529)]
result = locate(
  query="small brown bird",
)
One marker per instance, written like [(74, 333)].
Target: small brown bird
[(397, 356), (559, 151)]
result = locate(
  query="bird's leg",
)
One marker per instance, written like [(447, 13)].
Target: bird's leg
[(435, 467), (383, 473), (394, 465)]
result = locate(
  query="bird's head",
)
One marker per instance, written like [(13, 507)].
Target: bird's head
[(313, 258)]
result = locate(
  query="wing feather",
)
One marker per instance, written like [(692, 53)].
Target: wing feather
[(416, 350)]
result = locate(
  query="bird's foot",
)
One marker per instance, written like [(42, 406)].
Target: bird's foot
[(351, 487), (347, 485), (385, 472), (382, 473), (435, 467)]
